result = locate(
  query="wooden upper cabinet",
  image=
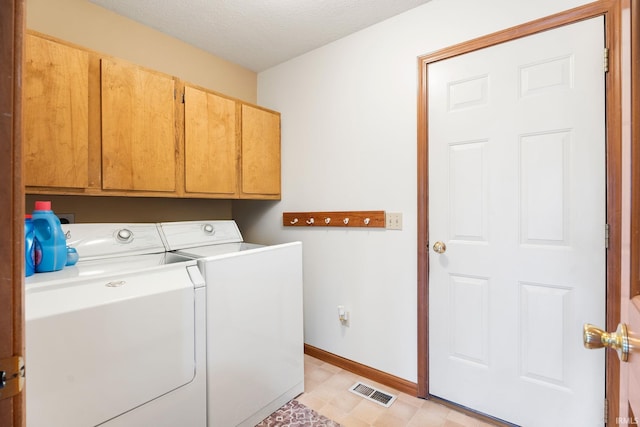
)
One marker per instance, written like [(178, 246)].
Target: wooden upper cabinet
[(138, 128), (56, 114), (260, 153), (211, 147), (98, 125)]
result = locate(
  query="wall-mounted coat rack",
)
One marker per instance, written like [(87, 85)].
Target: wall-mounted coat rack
[(371, 219)]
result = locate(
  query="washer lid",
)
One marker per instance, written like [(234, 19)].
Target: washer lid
[(104, 240), (191, 234), (101, 267)]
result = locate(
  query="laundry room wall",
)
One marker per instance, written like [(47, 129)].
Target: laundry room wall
[(86, 209), (91, 26), (349, 142), (94, 27)]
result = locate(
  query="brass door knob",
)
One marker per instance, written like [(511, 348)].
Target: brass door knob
[(593, 337), (439, 247)]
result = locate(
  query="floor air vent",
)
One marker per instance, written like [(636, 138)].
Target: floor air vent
[(373, 394)]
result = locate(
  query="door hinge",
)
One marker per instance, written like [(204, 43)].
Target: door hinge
[(183, 97), (11, 376), (606, 59), (606, 410), (606, 236)]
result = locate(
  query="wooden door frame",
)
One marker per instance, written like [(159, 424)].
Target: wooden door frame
[(632, 80), (611, 10), (11, 199), (635, 147)]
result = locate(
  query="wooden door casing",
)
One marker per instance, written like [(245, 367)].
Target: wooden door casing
[(629, 407), (11, 198)]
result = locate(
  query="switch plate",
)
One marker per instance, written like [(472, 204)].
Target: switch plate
[(394, 220)]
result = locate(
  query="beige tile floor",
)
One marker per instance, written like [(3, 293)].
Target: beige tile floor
[(327, 392)]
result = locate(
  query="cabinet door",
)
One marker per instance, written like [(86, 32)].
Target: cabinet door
[(138, 128), (56, 114), (211, 154), (260, 153)]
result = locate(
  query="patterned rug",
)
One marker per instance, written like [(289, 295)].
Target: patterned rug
[(295, 414)]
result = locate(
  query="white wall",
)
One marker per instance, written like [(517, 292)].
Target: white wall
[(349, 131)]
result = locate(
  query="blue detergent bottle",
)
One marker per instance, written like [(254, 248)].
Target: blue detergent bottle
[(50, 237), (29, 246)]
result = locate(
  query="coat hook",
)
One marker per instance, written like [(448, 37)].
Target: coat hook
[(327, 220), (310, 221), (346, 221), (294, 221), (366, 221)]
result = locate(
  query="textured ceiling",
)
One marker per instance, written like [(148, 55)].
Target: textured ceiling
[(258, 34)]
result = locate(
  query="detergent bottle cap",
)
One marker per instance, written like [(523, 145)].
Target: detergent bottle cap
[(43, 205)]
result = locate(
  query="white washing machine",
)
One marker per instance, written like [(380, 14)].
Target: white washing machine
[(118, 339), (255, 348)]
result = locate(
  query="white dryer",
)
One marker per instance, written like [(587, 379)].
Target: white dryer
[(118, 339), (255, 348)]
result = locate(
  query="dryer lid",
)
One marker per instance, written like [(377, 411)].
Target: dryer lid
[(191, 234)]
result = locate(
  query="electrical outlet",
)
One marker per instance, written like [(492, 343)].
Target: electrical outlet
[(67, 218), (394, 220), (343, 315)]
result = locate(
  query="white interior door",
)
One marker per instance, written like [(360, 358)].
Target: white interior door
[(517, 194)]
